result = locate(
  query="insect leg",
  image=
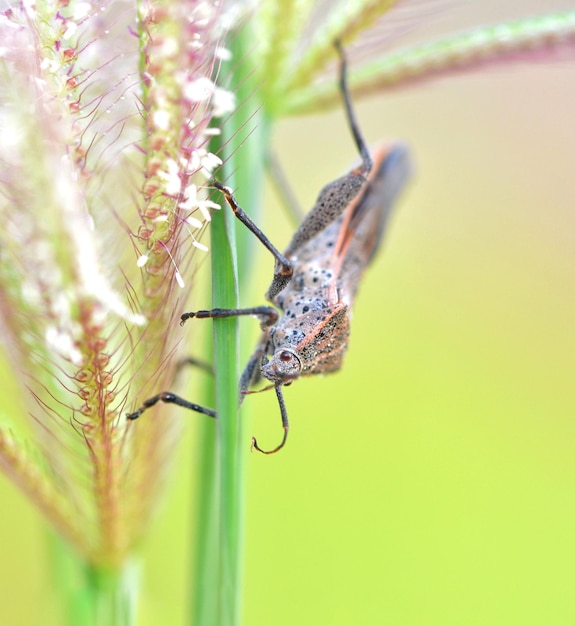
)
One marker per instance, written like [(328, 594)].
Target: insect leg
[(170, 398), (285, 425), (351, 119), (253, 369), (202, 365), (283, 267), (283, 188), (267, 314), (336, 196)]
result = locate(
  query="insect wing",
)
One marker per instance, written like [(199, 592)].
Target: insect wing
[(365, 220)]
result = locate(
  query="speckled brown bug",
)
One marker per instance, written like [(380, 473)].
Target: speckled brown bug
[(316, 279)]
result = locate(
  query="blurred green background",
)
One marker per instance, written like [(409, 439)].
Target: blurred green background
[(432, 480)]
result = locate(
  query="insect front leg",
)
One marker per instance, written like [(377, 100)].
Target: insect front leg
[(253, 370), (267, 314), (268, 317)]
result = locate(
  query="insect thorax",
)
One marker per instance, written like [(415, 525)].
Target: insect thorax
[(319, 338)]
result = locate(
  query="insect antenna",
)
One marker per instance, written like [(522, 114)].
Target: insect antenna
[(285, 425), (353, 124)]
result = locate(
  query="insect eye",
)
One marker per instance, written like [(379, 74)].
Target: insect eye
[(285, 356)]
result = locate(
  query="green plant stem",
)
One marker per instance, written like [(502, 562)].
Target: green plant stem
[(204, 572), (242, 147), (93, 595)]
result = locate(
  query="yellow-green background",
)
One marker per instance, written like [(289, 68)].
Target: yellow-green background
[(432, 480)]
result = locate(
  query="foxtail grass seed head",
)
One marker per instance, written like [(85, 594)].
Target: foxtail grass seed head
[(104, 127), (106, 114)]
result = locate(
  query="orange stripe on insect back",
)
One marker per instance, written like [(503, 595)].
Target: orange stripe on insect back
[(346, 234), (319, 326)]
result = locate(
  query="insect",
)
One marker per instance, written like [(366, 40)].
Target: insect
[(316, 278)]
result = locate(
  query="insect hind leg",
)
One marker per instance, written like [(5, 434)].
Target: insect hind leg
[(350, 113), (336, 196)]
